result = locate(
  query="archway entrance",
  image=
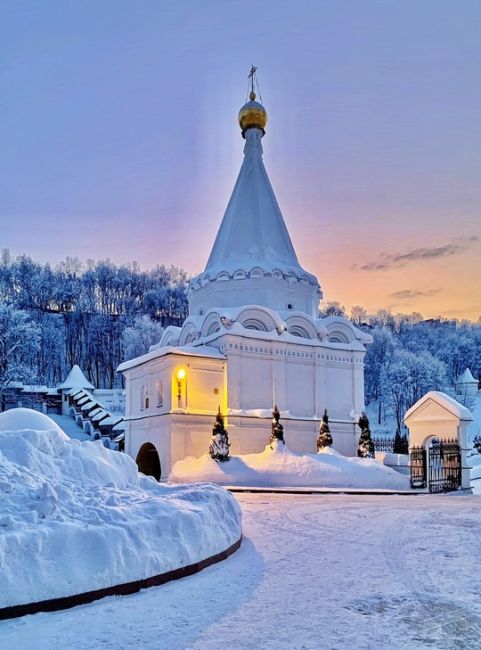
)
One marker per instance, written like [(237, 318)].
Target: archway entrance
[(148, 460)]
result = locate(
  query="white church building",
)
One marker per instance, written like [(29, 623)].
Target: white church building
[(253, 339)]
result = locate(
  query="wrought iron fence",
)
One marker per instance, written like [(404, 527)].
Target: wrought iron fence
[(391, 445), (384, 443)]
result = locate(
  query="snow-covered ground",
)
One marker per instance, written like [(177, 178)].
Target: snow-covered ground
[(281, 467), (314, 572), (70, 427), (75, 516)]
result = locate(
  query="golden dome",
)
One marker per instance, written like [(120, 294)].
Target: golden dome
[(252, 115)]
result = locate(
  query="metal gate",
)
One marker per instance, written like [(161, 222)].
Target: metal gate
[(418, 467), (442, 460), (444, 466)]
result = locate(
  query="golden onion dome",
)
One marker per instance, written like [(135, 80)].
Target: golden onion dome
[(252, 115)]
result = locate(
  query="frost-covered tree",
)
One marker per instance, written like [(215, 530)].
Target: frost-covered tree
[(277, 431), (137, 338), (377, 358), (324, 439), (19, 343), (333, 308), (358, 315), (383, 318), (219, 444), (407, 378), (365, 447), (83, 309)]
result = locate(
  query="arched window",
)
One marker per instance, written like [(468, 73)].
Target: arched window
[(160, 393), (144, 397)]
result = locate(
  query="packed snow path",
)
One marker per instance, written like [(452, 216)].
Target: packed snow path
[(314, 572)]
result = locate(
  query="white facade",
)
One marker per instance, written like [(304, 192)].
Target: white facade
[(253, 339)]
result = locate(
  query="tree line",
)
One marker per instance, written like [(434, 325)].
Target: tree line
[(54, 317), (98, 314), (410, 356)]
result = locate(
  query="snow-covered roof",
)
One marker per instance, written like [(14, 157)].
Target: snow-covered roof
[(330, 322), (253, 232), (34, 389), (75, 379), (95, 411), (88, 405), (186, 350), (451, 405), (100, 415), (253, 245), (15, 384), (467, 378), (111, 419), (120, 426), (76, 392)]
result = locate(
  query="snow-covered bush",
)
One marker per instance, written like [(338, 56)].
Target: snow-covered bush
[(324, 439), (477, 443), (365, 447), (277, 431), (219, 445)]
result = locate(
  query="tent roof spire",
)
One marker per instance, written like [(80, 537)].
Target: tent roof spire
[(253, 237)]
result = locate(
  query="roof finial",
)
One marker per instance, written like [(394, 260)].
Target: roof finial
[(251, 76), (252, 114)]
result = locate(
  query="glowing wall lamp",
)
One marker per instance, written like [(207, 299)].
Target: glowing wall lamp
[(180, 379)]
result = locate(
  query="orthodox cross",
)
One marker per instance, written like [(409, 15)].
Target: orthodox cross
[(251, 76)]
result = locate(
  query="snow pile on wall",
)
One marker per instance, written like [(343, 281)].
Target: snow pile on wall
[(75, 516), (281, 467)]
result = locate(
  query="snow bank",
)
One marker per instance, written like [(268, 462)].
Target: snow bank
[(474, 462), (474, 428), (281, 467), (75, 516)]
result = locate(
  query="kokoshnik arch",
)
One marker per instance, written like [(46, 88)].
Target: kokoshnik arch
[(253, 339)]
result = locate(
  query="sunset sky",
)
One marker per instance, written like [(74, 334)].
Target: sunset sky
[(119, 136)]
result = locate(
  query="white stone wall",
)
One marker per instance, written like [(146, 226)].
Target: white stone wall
[(301, 378), (279, 294)]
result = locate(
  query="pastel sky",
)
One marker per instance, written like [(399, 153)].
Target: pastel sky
[(119, 139)]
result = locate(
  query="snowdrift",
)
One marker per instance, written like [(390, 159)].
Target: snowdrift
[(280, 467), (75, 516)]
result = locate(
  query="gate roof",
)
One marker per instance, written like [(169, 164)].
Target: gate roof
[(444, 401)]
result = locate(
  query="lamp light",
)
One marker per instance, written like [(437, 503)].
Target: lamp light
[(180, 378)]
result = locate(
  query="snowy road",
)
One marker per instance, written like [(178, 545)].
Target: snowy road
[(316, 572)]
